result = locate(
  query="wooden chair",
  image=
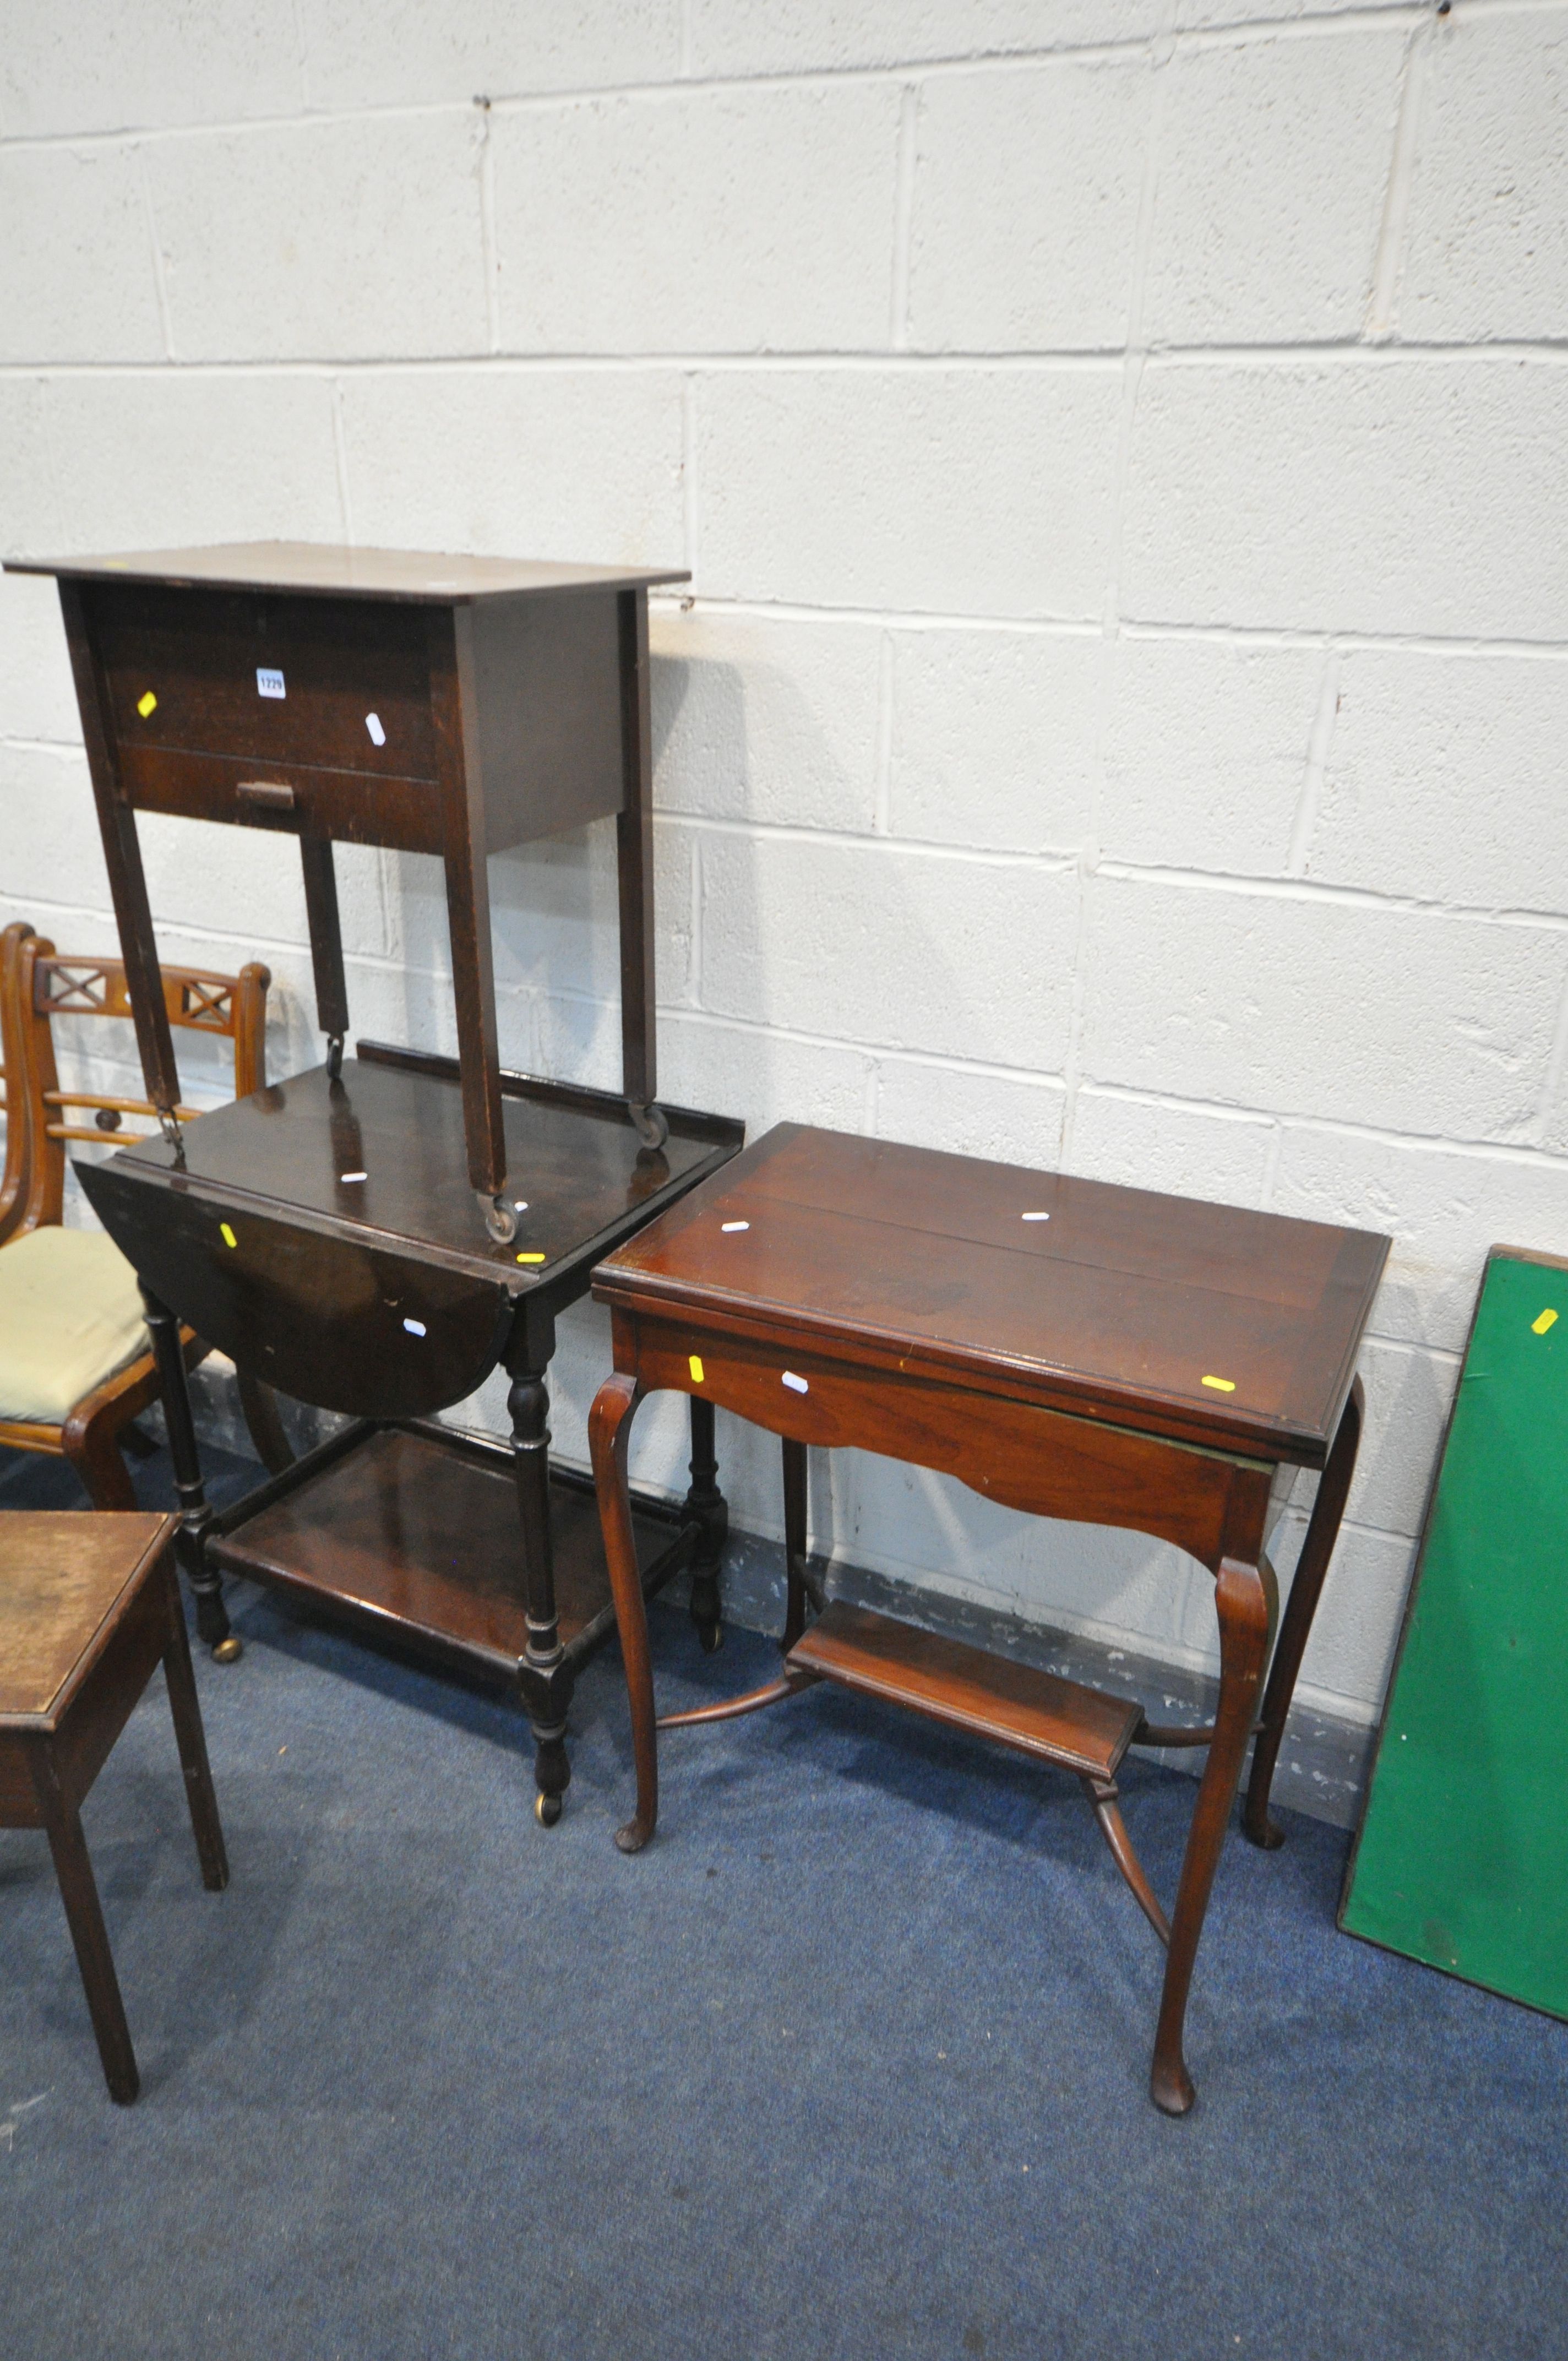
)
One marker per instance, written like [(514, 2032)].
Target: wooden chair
[(75, 1365), (89, 1608), (14, 1169)]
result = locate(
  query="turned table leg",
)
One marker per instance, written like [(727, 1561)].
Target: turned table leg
[(1322, 1532), (546, 1685), (610, 1426), (212, 1615), (84, 1916), (705, 1506), (1244, 1600)]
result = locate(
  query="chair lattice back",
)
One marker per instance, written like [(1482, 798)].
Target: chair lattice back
[(43, 985), (14, 1169)]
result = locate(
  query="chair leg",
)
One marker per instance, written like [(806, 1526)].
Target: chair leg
[(79, 1892), (191, 1741), (263, 1424), (93, 1452)]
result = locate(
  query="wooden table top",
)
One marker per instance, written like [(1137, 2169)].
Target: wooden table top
[(577, 1168), (336, 572), (63, 1572), (1120, 1304)]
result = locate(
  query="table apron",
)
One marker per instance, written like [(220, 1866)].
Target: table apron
[(1042, 1461)]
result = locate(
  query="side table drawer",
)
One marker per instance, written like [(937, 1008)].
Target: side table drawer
[(336, 684), (1028, 1458), (402, 813)]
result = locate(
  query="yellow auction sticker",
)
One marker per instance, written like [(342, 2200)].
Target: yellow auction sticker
[(228, 1237), (531, 1258), (1545, 1323), (1221, 1385), (695, 1365), (146, 703)]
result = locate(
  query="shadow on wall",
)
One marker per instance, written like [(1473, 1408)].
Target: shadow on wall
[(836, 947), (554, 920)]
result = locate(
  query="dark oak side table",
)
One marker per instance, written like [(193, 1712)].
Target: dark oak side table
[(433, 704), (324, 1232), (1073, 1349)]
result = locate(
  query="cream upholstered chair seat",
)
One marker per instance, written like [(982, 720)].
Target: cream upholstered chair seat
[(70, 1315), (76, 1361)]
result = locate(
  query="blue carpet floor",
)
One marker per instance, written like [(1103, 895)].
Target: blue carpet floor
[(851, 2062)]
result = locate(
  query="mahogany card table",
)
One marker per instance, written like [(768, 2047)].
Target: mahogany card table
[(1073, 1349)]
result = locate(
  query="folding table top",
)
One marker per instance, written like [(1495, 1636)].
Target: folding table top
[(63, 1572), (379, 1158), (1209, 1323), (335, 571)]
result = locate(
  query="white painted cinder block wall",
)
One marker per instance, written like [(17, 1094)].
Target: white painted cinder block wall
[(1119, 446)]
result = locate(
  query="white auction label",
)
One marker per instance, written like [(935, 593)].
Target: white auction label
[(268, 684), (373, 724)]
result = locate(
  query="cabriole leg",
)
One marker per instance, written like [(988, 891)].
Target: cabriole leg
[(1322, 1532), (1244, 1600), (206, 1582), (704, 1505)]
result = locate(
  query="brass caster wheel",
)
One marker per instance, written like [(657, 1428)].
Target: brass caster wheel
[(229, 1651), (651, 1124), (546, 1810), (710, 1638), (500, 1219)]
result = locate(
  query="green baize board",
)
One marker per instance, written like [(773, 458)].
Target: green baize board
[(1461, 1856)]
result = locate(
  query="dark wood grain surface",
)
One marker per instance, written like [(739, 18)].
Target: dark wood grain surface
[(196, 660), (578, 1171), (62, 1577), (1121, 1304), (420, 1539), (327, 567)]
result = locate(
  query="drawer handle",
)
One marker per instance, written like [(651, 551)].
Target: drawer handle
[(276, 797)]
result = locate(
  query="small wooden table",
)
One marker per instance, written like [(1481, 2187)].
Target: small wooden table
[(1075, 1350), (319, 1232), (88, 1606), (433, 704)]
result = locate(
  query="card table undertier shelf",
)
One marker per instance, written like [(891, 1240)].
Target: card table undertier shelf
[(1073, 1349), (319, 1232), (447, 704)]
